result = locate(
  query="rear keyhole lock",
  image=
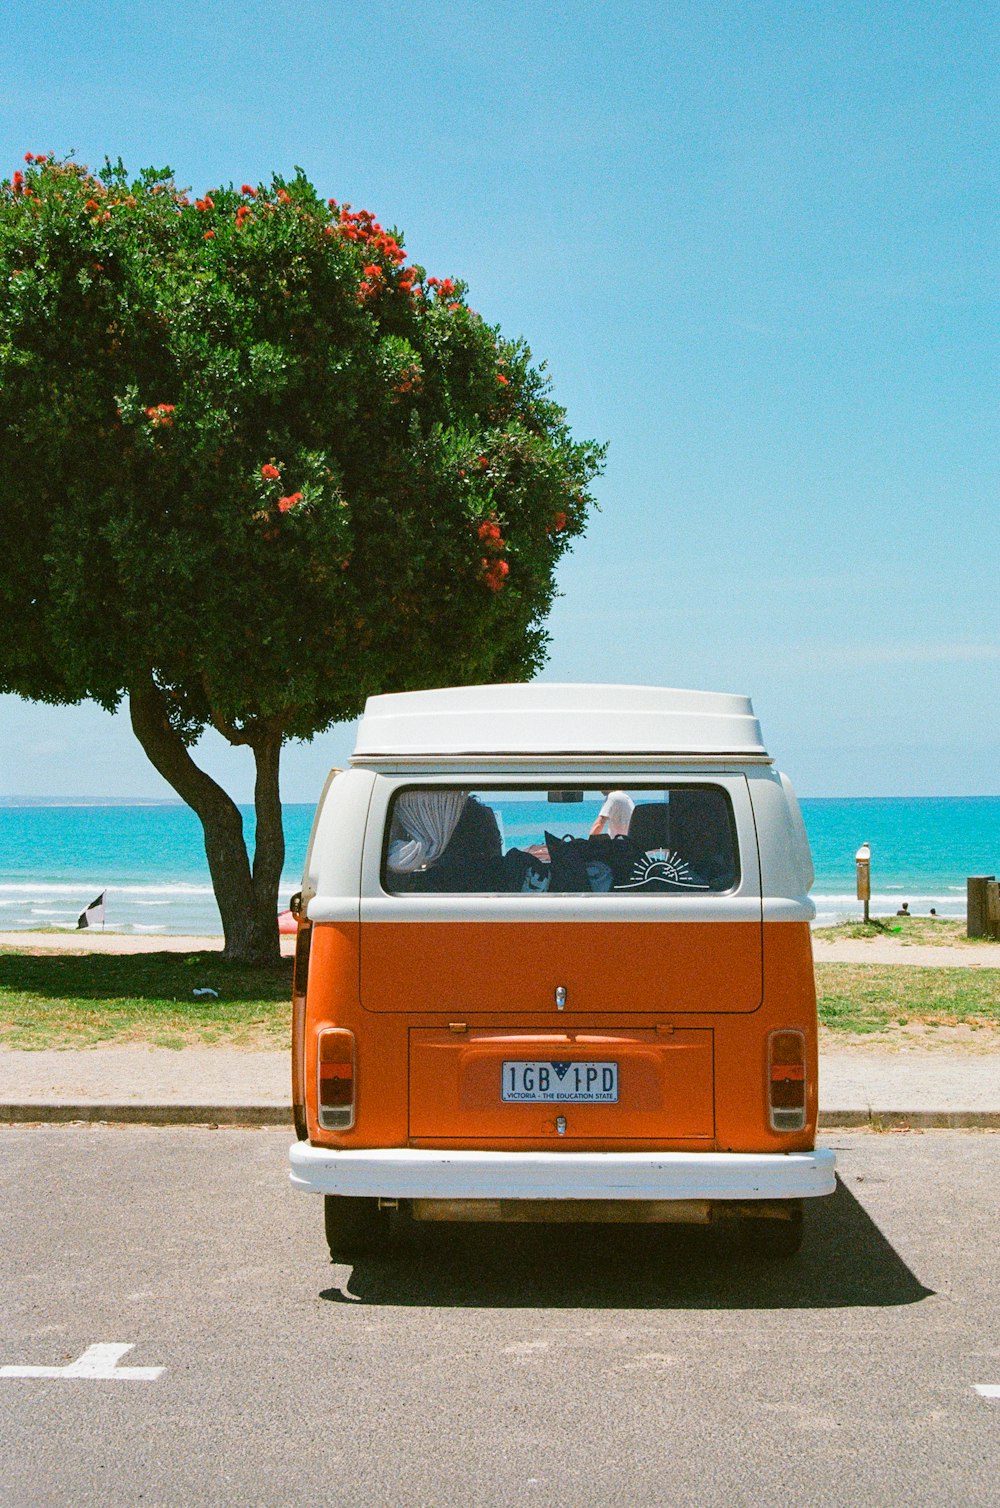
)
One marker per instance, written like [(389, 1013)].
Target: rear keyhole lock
[(560, 997), (560, 1125)]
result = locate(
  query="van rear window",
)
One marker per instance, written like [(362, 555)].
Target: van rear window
[(674, 839)]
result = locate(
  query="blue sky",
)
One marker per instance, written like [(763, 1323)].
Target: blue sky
[(755, 245)]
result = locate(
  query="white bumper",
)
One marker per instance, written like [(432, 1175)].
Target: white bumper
[(413, 1173)]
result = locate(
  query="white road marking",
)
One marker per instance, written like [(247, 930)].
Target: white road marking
[(987, 1389), (98, 1363)]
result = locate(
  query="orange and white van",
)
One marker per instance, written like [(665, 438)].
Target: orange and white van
[(554, 963)]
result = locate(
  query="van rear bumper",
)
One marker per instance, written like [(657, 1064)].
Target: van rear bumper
[(415, 1173)]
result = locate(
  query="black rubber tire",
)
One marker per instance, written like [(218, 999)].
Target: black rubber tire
[(352, 1226), (773, 1237)]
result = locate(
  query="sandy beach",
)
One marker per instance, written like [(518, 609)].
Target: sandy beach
[(879, 950), (119, 942)]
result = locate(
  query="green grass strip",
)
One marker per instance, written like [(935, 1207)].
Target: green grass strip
[(87, 1000), (868, 997)]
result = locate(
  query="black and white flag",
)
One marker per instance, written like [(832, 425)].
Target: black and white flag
[(93, 914)]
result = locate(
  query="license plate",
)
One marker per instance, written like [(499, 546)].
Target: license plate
[(562, 1083)]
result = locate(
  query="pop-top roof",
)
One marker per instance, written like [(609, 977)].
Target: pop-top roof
[(541, 719)]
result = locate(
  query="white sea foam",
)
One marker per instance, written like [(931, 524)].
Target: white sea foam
[(68, 887), (846, 906)]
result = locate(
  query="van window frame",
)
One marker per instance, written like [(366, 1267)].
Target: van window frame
[(555, 783)]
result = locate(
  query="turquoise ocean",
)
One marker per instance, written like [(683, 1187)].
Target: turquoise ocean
[(54, 860)]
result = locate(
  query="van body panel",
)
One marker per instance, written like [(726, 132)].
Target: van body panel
[(786, 863), (739, 1051), (333, 858), (664, 1084), (618, 967)]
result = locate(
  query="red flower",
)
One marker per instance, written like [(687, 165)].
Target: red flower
[(503, 381), (209, 235), (495, 572), (373, 271), (243, 213), (284, 197), (560, 521), (285, 503), (269, 473), (246, 188), (483, 461), (29, 157), (203, 204), (16, 182), (91, 205)]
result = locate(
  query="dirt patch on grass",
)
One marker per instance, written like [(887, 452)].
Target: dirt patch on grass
[(916, 1037)]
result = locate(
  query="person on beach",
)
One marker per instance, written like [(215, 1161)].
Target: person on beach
[(904, 909)]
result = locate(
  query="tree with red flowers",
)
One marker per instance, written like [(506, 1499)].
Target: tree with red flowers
[(255, 467)]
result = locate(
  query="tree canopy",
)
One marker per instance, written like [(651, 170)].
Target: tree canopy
[(257, 465)]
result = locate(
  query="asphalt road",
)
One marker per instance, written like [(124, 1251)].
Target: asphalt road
[(490, 1365)]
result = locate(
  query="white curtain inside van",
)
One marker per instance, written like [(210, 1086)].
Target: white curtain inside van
[(422, 825)]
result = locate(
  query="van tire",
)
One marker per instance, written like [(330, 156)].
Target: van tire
[(352, 1226), (771, 1237)]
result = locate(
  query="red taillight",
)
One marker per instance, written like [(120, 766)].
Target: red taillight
[(787, 1080), (335, 1079)]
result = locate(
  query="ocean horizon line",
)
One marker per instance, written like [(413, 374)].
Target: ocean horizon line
[(82, 802)]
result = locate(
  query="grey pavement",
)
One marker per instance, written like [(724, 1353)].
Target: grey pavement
[(226, 1083), (490, 1366)]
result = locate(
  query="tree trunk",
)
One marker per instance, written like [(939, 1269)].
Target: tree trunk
[(247, 899), (269, 843)]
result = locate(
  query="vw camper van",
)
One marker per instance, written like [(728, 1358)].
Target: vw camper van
[(554, 964)]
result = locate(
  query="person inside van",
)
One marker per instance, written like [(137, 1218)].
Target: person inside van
[(615, 815)]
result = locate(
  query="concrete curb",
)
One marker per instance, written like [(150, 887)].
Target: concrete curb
[(146, 1115), (915, 1120), (56, 1112)]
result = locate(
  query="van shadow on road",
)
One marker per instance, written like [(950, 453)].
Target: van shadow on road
[(845, 1262)]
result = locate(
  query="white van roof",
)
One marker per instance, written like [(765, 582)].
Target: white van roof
[(550, 719)]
